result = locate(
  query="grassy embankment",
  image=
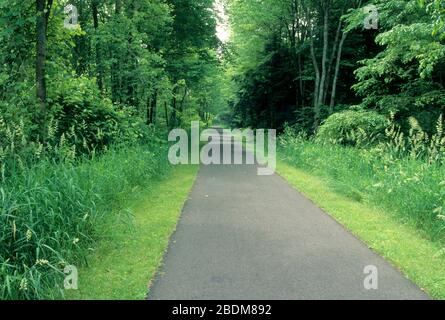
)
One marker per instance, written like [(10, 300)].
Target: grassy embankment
[(124, 263), (56, 214), (393, 205)]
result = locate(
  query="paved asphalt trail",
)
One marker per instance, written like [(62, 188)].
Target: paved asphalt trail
[(244, 236)]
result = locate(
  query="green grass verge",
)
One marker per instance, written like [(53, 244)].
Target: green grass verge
[(124, 263), (401, 244)]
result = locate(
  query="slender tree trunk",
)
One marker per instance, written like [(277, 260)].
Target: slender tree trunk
[(153, 103), (149, 111), (166, 113), (316, 84), (118, 7), (173, 115), (43, 8), (181, 105), (154, 110), (302, 36), (332, 59), (99, 73), (441, 76), (337, 64), (298, 38), (302, 84), (324, 57), (81, 48), (41, 28), (116, 78), (337, 69), (300, 81)]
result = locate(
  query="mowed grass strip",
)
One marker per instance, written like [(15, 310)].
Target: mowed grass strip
[(125, 262), (401, 244)]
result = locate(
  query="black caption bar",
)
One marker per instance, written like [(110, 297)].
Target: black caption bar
[(190, 310)]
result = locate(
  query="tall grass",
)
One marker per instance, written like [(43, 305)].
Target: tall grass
[(51, 213), (405, 175)]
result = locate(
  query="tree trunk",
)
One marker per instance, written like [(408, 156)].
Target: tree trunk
[(118, 6), (298, 37), (100, 82), (148, 117), (155, 109), (332, 58), (337, 69), (41, 28), (166, 113), (181, 105), (173, 115), (316, 84), (43, 8), (151, 110), (324, 57), (302, 83), (116, 77)]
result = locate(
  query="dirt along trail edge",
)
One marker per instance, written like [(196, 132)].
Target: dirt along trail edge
[(245, 236)]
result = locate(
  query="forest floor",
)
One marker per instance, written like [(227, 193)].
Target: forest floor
[(244, 236)]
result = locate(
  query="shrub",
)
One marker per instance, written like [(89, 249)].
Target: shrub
[(353, 128), (80, 123), (88, 120)]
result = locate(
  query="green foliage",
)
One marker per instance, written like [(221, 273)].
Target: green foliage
[(283, 70), (354, 128), (113, 85), (131, 254), (156, 58), (51, 213), (405, 78), (417, 144), (134, 68), (78, 108), (277, 61), (89, 121), (437, 9), (394, 175), (420, 259)]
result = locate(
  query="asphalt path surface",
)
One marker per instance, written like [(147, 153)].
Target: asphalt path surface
[(250, 237)]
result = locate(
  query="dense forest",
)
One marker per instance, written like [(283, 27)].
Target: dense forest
[(356, 89), (90, 88), (298, 62), (82, 79), (146, 59)]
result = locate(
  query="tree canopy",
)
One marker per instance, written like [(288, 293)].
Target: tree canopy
[(154, 59), (300, 61)]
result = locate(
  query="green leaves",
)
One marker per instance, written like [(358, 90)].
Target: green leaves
[(356, 128), (405, 77)]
